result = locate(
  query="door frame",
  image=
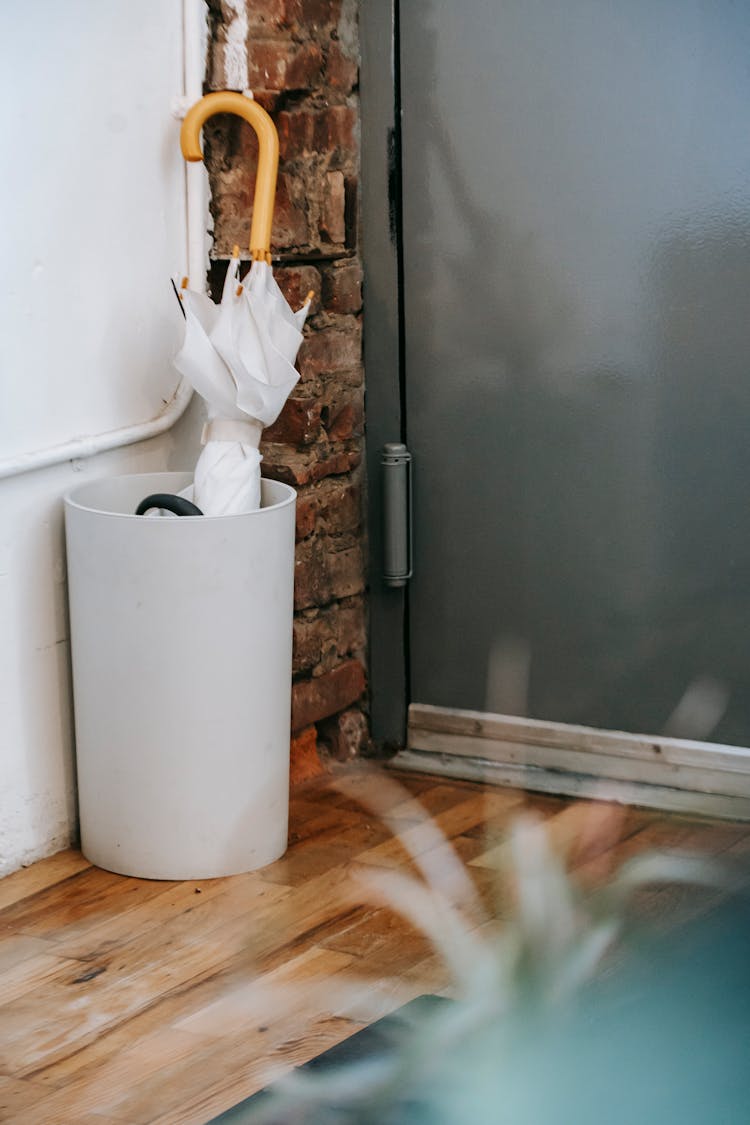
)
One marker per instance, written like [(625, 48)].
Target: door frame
[(380, 203)]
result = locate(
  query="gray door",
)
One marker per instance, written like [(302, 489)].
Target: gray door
[(576, 223)]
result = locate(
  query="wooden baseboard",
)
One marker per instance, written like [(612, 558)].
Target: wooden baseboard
[(664, 773)]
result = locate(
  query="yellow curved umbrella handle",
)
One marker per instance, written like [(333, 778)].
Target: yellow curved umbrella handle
[(228, 101)]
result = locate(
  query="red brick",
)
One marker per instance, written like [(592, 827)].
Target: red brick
[(323, 637), (342, 71), (335, 130), (260, 14), (296, 131), (312, 579), (350, 633), (336, 505), (345, 735), (296, 282), (331, 349), (236, 187), (306, 516), (279, 464), (342, 288), (304, 760), (298, 423), (300, 467), (347, 572), (335, 464), (346, 423), (266, 14), (332, 220), (343, 416), (313, 14), (215, 78), (316, 699), (311, 641), (330, 507), (352, 377), (340, 506), (283, 65), (322, 573), (268, 99), (242, 145), (290, 220)]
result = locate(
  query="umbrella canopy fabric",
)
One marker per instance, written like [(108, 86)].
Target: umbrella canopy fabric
[(239, 355)]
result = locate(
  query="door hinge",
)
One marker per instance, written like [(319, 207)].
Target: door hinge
[(396, 462)]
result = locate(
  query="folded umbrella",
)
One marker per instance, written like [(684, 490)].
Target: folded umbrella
[(239, 354)]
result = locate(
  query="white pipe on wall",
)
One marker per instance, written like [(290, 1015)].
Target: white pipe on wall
[(82, 447), (194, 45)]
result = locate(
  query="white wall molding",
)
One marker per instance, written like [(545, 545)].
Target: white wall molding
[(667, 773)]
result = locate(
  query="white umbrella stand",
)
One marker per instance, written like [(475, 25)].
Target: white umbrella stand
[(181, 628)]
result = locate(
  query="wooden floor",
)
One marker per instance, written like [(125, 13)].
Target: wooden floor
[(124, 1000)]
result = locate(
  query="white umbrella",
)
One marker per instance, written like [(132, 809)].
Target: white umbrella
[(239, 355)]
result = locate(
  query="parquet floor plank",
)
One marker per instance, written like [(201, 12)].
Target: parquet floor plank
[(187, 910), (17, 948), (453, 821), (252, 1064), (45, 873), (68, 907), (133, 1002)]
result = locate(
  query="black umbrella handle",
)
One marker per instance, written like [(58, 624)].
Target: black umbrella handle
[(178, 505)]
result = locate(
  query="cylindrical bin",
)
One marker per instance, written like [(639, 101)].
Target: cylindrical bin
[(181, 634)]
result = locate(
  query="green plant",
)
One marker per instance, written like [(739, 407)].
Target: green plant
[(519, 986)]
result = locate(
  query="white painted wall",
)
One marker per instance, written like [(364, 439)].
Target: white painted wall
[(94, 225)]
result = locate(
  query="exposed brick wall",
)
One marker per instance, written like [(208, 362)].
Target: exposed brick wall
[(303, 68)]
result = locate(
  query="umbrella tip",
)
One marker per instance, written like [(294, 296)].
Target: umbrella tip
[(184, 283), (235, 251), (309, 297)]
